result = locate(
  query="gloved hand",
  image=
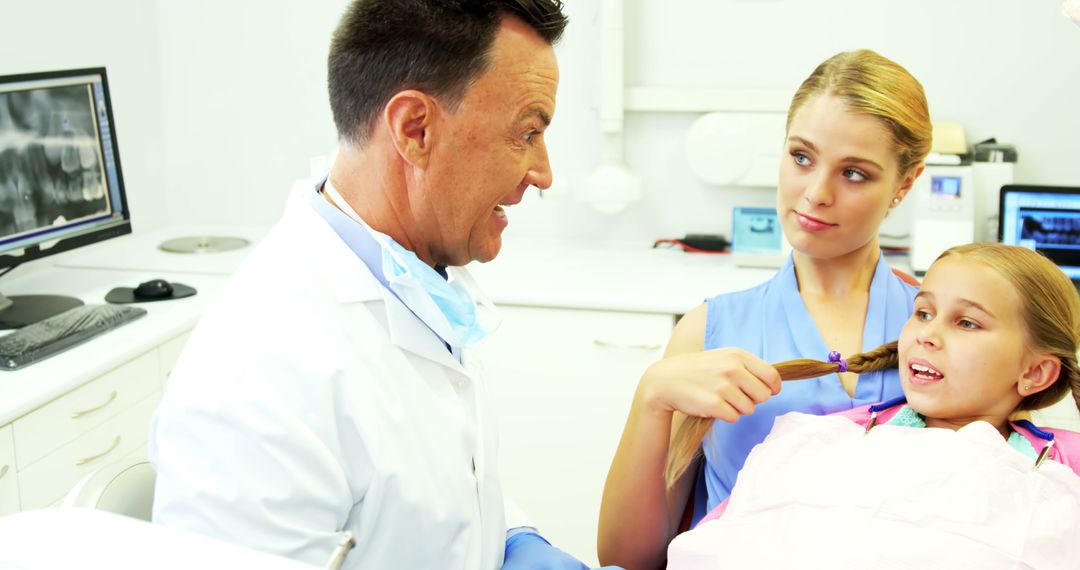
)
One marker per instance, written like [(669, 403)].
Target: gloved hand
[(529, 551)]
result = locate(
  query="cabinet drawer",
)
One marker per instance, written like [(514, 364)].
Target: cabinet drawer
[(55, 474), (77, 412), (9, 485), (169, 353)]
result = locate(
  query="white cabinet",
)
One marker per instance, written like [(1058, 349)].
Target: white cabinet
[(64, 419), (48, 480), (45, 452), (9, 485), (562, 382)]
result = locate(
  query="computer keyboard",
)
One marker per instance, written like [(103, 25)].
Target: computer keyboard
[(60, 332)]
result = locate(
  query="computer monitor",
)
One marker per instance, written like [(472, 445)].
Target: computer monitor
[(1045, 219), (60, 180)]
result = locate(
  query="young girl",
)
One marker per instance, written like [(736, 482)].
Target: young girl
[(994, 333)]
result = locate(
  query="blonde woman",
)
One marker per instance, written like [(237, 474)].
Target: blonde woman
[(858, 130)]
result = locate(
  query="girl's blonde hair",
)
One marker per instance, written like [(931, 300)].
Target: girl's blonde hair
[(874, 85), (1050, 307)]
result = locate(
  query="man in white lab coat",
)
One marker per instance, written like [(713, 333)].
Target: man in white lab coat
[(329, 388)]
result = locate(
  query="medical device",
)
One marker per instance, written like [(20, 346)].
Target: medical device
[(60, 180), (1045, 219), (943, 215), (756, 238)]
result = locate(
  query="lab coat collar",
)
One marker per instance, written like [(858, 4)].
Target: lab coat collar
[(351, 279), (331, 260), (410, 333)]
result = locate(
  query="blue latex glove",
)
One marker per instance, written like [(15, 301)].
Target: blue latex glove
[(529, 551)]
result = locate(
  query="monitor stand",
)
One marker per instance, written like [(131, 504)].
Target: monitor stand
[(20, 310)]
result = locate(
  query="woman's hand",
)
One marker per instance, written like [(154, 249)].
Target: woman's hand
[(723, 383)]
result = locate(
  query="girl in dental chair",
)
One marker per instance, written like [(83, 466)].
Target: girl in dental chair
[(994, 334)]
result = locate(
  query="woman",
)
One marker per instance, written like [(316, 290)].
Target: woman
[(858, 130)]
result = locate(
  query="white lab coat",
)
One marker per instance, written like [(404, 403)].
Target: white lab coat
[(309, 400)]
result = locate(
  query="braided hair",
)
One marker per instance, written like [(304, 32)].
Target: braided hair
[(686, 444)]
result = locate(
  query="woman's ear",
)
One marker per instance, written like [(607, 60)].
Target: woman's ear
[(906, 183), (408, 119), (1040, 374)]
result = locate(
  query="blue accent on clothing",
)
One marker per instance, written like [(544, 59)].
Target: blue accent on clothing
[(361, 242), (886, 405), (908, 417), (772, 322), (1038, 432)]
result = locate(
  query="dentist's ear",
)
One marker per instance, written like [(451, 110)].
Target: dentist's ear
[(408, 117), (1041, 373)]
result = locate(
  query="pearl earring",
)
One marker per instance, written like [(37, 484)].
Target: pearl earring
[(1027, 387), (896, 201)]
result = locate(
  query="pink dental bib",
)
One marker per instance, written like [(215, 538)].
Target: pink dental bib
[(818, 493)]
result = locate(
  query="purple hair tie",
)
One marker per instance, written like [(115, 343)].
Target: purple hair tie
[(834, 357)]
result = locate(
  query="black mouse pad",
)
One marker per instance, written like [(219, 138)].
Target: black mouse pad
[(123, 295)]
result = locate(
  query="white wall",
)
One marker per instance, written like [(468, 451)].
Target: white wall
[(120, 35), (1003, 68), (220, 104), (245, 103)]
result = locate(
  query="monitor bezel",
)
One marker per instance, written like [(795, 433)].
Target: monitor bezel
[(1026, 189), (33, 252)]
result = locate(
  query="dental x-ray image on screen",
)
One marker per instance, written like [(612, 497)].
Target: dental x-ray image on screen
[(61, 185), (51, 168), (1045, 219)]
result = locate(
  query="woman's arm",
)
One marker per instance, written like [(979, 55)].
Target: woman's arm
[(638, 515)]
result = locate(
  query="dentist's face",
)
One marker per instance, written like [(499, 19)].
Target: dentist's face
[(963, 351), (839, 174), (492, 149)]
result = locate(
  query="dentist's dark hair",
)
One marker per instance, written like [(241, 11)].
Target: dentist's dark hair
[(1049, 306), (382, 47), (686, 443)]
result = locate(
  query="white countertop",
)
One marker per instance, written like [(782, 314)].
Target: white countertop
[(617, 277), (528, 271), (140, 251), (23, 390)]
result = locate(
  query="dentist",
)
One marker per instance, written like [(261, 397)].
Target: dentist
[(330, 387)]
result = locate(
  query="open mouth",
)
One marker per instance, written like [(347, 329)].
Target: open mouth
[(923, 374)]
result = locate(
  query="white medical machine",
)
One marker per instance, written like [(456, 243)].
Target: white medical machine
[(944, 213)]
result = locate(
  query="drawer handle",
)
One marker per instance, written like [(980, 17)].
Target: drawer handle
[(607, 344), (115, 442), (3, 471), (78, 415)]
